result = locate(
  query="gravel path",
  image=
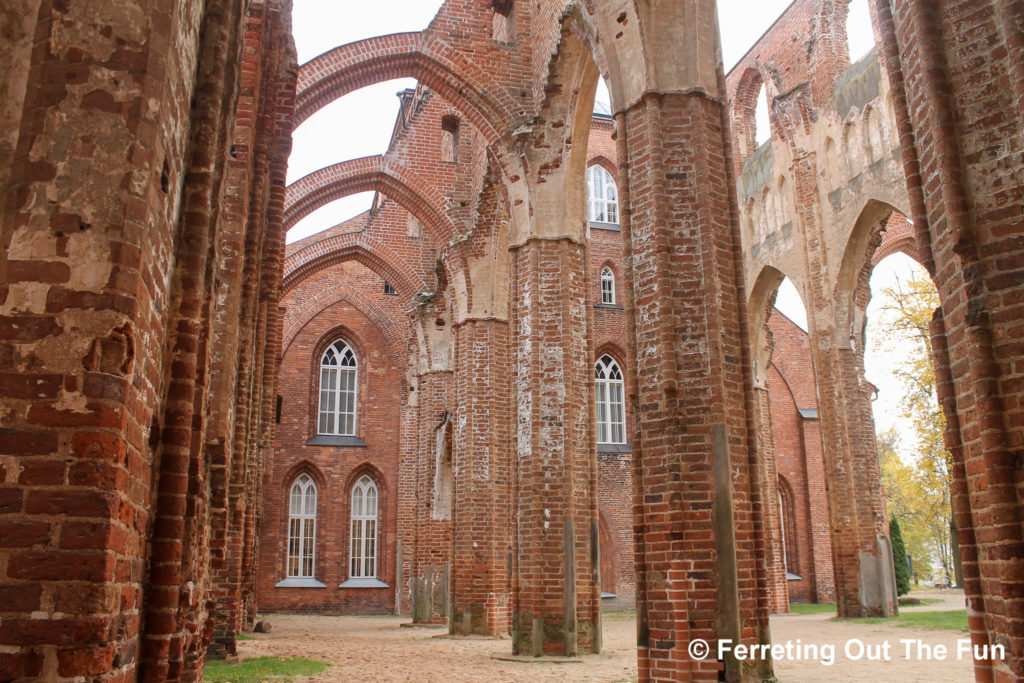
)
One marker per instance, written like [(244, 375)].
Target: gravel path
[(378, 649)]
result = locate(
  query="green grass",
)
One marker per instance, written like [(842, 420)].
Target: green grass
[(811, 608), (619, 615), (951, 620), (919, 602), (244, 636), (261, 670)]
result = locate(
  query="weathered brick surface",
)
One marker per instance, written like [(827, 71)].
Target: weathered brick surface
[(955, 69), (106, 289)]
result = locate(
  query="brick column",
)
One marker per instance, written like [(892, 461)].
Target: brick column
[(556, 608), (821, 538), (862, 555), (778, 585), (960, 497), (432, 540), (700, 507), (482, 503), (954, 69)]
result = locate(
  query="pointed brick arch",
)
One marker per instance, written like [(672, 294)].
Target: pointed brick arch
[(402, 55), (370, 174), (395, 331), (357, 246)]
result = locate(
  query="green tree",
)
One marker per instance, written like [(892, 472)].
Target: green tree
[(906, 500), (899, 557), (920, 490)]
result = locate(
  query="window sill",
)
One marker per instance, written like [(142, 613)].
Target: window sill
[(599, 225), (605, 596), (328, 440), (611, 307), (363, 583), (614, 448), (790, 576), (299, 583)]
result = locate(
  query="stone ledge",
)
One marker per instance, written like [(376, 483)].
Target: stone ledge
[(328, 440), (299, 583), (546, 659), (363, 583)]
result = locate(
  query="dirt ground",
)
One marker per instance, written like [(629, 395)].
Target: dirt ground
[(379, 649)]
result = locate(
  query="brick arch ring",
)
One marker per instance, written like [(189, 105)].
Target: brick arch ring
[(418, 55), (394, 330), (351, 246), (370, 174)]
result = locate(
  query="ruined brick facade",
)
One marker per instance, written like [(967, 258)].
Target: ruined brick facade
[(144, 289)]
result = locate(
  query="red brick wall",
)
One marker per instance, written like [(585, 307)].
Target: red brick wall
[(797, 451), (335, 468)]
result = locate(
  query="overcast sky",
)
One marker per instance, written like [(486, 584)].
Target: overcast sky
[(360, 124)]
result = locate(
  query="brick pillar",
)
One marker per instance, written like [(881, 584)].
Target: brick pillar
[(700, 507), (432, 540), (959, 496), (778, 585), (954, 69), (817, 493), (557, 608), (861, 551), (482, 504)]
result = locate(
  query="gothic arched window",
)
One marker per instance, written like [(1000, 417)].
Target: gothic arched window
[(363, 557), (611, 413), (607, 286), (604, 197), (338, 374), (302, 528)]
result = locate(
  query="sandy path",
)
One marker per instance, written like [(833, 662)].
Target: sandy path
[(378, 649)]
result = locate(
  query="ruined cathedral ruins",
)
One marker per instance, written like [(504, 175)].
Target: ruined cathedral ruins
[(541, 375)]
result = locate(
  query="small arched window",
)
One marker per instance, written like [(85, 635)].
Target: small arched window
[(302, 528), (604, 197), (363, 557), (607, 286), (611, 413), (338, 374)]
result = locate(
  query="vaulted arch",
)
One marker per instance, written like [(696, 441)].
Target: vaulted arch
[(352, 246), (370, 174), (395, 331), (417, 55)]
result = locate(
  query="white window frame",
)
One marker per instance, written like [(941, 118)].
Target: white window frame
[(339, 390), (603, 195), (607, 286), (302, 500), (611, 405), (363, 529)]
